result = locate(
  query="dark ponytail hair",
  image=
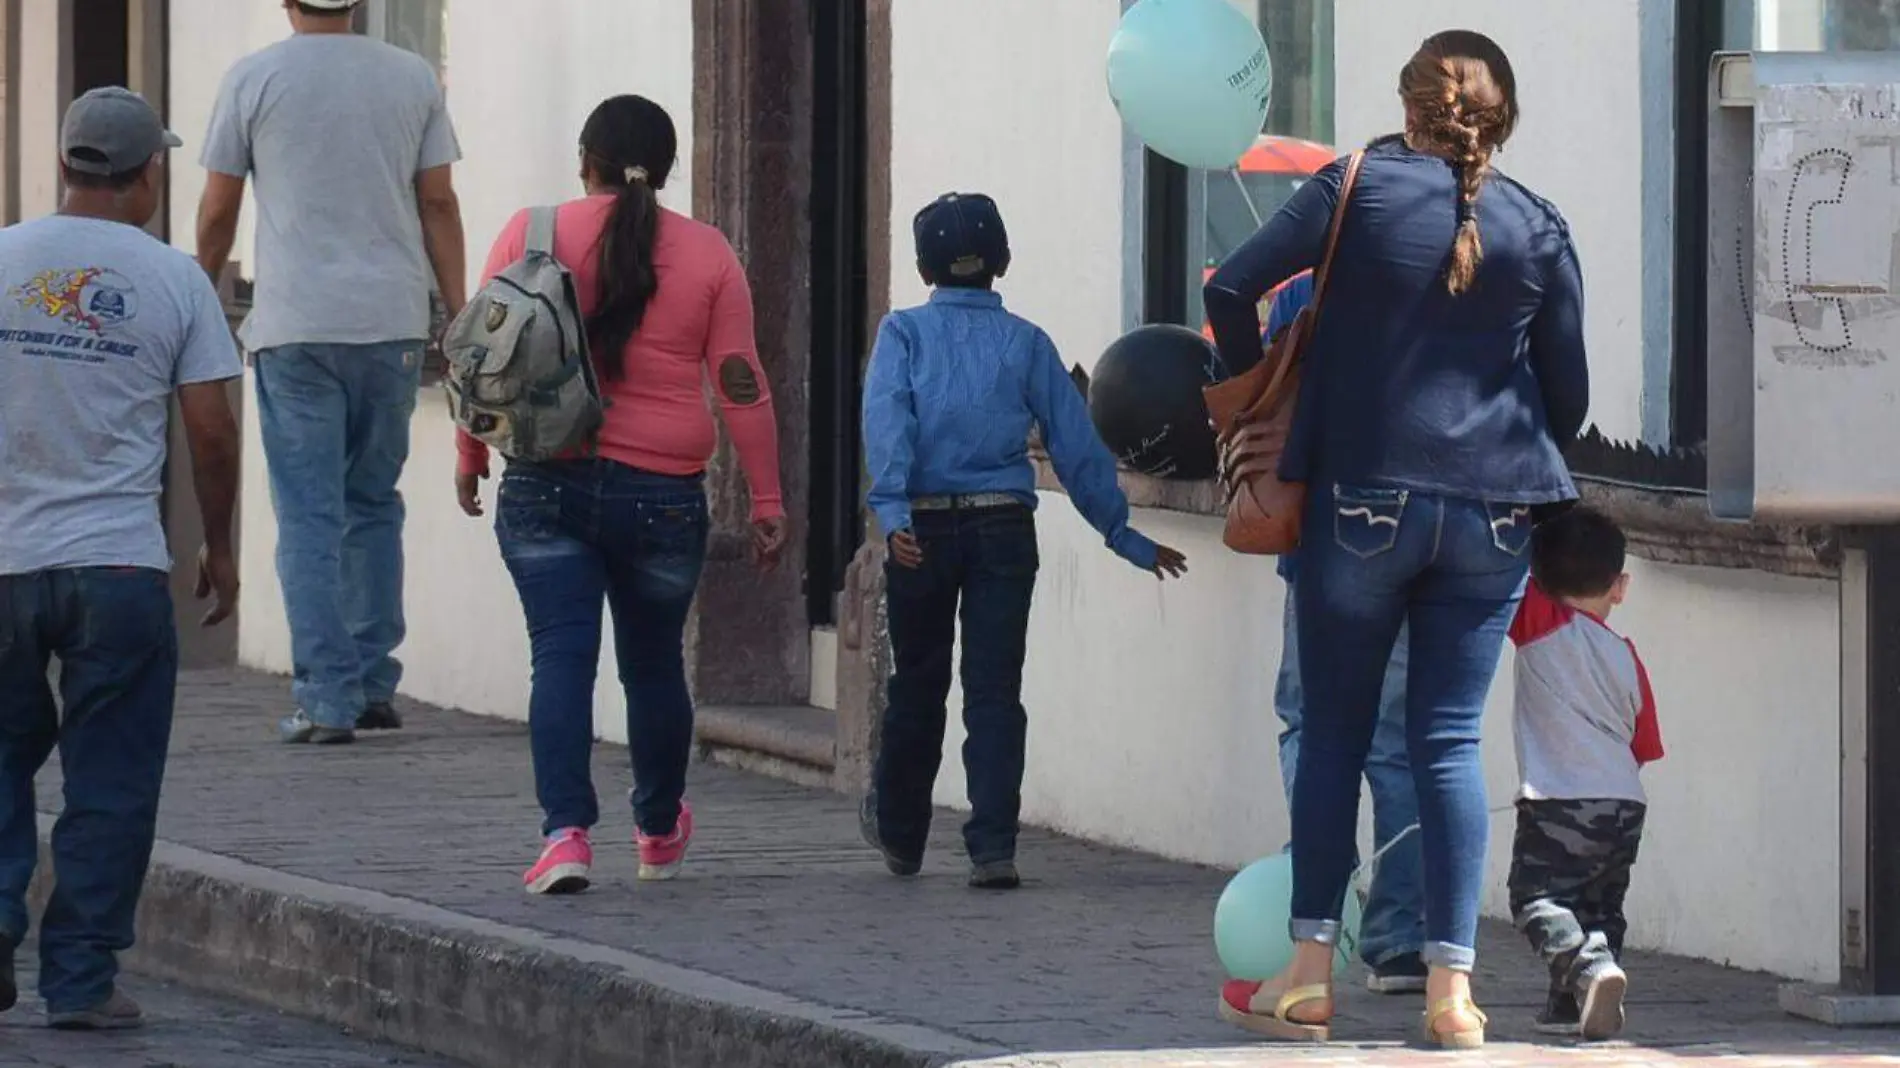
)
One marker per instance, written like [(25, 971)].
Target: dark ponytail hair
[(628, 145)]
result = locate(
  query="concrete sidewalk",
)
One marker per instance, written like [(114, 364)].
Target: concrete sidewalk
[(188, 1030), (379, 886)]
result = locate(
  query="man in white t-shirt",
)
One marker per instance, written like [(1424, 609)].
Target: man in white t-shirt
[(101, 325), (349, 143)]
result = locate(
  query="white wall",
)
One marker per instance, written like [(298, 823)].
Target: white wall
[(1741, 855), (1152, 726), (1581, 149), (207, 36), (1151, 706), (1043, 140), (522, 85)]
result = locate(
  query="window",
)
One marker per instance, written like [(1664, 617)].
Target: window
[(421, 26), (1823, 25), (1195, 218)]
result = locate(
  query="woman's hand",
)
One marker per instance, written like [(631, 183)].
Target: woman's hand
[(768, 541), (468, 493)]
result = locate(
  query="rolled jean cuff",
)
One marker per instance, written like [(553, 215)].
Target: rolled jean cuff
[(1325, 932), (1446, 955)]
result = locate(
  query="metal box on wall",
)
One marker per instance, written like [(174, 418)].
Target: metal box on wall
[(1804, 266)]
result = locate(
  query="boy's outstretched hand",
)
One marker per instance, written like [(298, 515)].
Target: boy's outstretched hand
[(906, 550), (1169, 563)]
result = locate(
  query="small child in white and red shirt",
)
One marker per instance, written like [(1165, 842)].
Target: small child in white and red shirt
[(1585, 723)]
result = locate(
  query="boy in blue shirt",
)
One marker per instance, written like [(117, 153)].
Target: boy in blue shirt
[(1393, 928), (953, 390)]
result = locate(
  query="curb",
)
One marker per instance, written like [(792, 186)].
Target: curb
[(489, 994)]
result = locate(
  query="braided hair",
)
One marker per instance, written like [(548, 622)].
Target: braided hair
[(1461, 103)]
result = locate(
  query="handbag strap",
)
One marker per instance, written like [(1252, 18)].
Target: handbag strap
[(1332, 234)]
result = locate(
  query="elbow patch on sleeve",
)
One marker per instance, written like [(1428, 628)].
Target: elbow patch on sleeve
[(739, 381)]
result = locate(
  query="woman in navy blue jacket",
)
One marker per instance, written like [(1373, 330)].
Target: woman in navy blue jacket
[(1445, 377)]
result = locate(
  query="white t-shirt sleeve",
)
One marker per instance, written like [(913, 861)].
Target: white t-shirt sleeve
[(439, 146), (227, 148), (210, 353)]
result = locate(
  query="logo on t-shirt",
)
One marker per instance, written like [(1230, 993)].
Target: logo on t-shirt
[(84, 305), (90, 298)]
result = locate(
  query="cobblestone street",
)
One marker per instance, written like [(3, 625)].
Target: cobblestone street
[(187, 1030), (1103, 954)]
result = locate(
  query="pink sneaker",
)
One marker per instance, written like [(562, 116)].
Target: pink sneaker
[(660, 858), (564, 864)]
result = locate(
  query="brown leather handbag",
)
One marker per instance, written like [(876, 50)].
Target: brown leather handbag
[(1253, 414)]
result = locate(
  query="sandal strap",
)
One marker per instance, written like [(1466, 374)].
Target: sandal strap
[(1301, 995), (1444, 1006)]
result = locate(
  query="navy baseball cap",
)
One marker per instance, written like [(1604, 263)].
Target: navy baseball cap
[(961, 236)]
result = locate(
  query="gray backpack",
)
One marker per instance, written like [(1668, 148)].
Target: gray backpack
[(519, 377)]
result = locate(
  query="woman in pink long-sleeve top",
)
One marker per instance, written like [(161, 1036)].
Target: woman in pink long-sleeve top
[(667, 310)]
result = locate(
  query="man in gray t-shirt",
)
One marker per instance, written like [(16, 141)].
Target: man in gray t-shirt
[(102, 326), (350, 145)]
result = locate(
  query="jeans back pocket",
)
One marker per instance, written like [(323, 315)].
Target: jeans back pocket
[(1510, 526), (1366, 520), (527, 507), (675, 526)]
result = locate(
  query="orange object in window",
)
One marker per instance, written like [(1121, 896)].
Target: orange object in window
[(1239, 201)]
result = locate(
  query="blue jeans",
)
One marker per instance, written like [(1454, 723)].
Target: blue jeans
[(980, 565), (574, 533), (111, 630), (335, 422), (1373, 561), (1394, 922)]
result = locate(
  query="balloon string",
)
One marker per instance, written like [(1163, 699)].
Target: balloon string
[(1372, 862), (1349, 941), (1246, 197)]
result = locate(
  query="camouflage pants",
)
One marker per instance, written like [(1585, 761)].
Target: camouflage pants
[(1570, 870)]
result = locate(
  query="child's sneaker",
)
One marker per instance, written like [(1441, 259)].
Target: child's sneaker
[(564, 864), (1603, 987), (661, 857), (1561, 1015), (1403, 974)]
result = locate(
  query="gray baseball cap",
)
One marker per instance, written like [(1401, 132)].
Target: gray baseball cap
[(112, 130), (330, 5)]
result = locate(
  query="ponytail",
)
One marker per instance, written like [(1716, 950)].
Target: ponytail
[(628, 146), (625, 266)]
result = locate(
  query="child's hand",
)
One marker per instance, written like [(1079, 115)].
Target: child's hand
[(1169, 563), (906, 550)]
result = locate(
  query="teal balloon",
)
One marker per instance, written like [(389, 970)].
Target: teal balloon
[(1192, 78), (1250, 921)]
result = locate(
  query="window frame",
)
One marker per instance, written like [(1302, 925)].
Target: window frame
[(1700, 29), (1166, 241), (373, 18), (1174, 197)]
